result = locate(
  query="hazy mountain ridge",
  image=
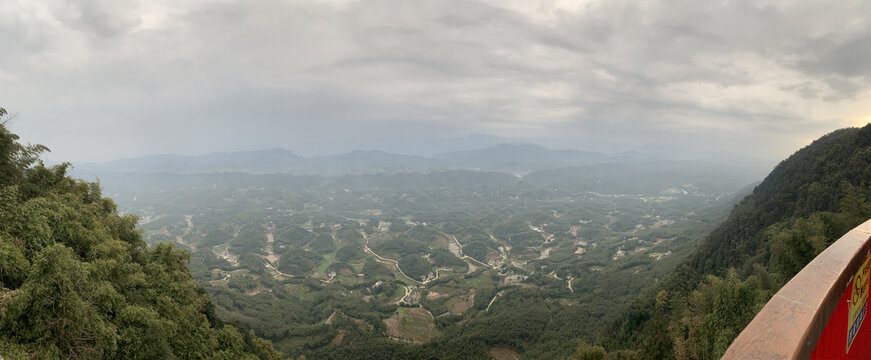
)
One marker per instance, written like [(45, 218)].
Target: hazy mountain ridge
[(522, 156), (639, 177), (240, 161), (516, 158), (619, 178)]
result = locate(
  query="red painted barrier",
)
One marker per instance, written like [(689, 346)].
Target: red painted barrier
[(821, 313), (846, 335)]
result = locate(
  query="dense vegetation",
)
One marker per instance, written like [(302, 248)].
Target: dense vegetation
[(77, 281), (453, 264), (805, 204)]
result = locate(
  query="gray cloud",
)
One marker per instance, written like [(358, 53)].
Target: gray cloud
[(832, 55), (328, 76)]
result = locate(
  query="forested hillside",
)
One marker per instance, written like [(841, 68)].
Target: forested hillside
[(78, 282), (458, 264), (807, 202)]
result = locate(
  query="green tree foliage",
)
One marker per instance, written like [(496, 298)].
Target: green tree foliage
[(218, 235), (323, 244), (15, 158), (588, 352), (299, 262), (804, 205), (398, 225), (376, 271), (477, 250), (717, 312), (250, 239), (350, 252), (78, 282), (444, 258), (401, 245), (796, 244), (424, 233), (415, 266), (351, 235), (13, 263), (595, 352), (254, 263), (294, 236)]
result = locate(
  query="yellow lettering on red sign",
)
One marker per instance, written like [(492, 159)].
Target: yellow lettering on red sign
[(858, 301)]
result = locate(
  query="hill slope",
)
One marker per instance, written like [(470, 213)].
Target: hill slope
[(78, 282), (807, 202), (512, 158)]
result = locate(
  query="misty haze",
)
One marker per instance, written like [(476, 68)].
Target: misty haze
[(453, 179)]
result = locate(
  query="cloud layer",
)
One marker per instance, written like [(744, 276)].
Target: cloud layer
[(102, 79)]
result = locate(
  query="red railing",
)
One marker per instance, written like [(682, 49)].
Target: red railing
[(820, 312)]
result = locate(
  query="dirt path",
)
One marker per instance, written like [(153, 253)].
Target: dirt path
[(545, 253), (494, 299), (437, 274), (225, 280), (268, 265), (407, 292), (431, 317), (187, 229), (460, 251), (327, 281), (330, 319), (391, 262), (395, 264), (568, 280), (190, 224), (232, 259), (269, 249), (456, 250)]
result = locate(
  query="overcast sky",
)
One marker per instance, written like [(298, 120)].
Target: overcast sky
[(101, 79)]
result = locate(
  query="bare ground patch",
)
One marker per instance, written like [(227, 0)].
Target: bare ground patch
[(504, 353), (338, 339), (458, 305), (412, 325)]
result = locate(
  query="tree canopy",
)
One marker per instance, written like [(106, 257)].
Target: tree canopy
[(77, 281), (807, 202)]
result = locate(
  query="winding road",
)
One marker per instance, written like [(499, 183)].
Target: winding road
[(568, 280), (395, 264), (460, 254), (268, 265), (392, 262), (407, 292)]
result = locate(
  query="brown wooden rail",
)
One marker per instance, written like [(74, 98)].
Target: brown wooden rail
[(790, 324)]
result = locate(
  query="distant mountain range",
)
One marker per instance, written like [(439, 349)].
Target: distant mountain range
[(526, 157), (517, 158)]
